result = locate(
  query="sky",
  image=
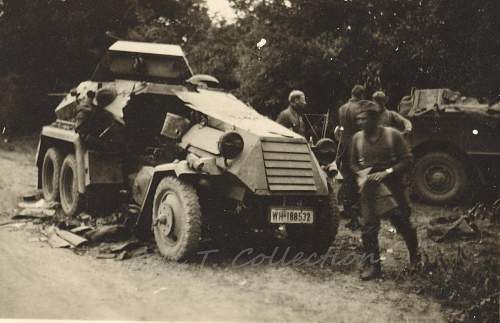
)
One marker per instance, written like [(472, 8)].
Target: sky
[(221, 8)]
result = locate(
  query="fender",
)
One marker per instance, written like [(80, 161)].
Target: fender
[(65, 140), (51, 134), (178, 169), (89, 167)]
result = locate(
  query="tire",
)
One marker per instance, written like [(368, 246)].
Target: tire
[(176, 219), (51, 168), (319, 236), (440, 178), (71, 199)]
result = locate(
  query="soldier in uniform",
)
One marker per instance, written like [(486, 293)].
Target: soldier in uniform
[(96, 126), (347, 128), (390, 118), (293, 116), (381, 156)]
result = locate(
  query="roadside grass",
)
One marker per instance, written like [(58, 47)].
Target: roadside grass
[(463, 275)]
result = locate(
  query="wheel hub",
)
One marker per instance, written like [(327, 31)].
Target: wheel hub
[(439, 179), (165, 218)]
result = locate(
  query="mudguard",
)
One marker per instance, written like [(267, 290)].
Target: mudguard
[(178, 169)]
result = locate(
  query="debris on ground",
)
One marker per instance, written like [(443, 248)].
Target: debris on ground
[(33, 213), (10, 223), (33, 196), (35, 209), (56, 241), (133, 253), (68, 224), (459, 229), (71, 238), (81, 229), (84, 217), (111, 233), (39, 204), (128, 245), (123, 250), (108, 233), (106, 256), (472, 224)]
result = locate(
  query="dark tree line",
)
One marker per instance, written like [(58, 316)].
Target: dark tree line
[(320, 46)]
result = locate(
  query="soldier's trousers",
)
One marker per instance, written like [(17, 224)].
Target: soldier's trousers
[(350, 188), (400, 219)]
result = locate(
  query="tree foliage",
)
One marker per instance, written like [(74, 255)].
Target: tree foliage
[(51, 45), (321, 46)]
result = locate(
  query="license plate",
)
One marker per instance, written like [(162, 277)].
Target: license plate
[(283, 215)]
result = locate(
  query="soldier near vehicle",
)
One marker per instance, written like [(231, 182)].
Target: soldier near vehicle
[(348, 127), (380, 157), (390, 118), (95, 125), (293, 116)]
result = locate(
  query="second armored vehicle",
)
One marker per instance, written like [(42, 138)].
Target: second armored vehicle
[(455, 143)]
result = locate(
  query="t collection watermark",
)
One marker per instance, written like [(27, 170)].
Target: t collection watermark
[(288, 258)]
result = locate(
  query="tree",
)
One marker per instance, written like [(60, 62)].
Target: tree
[(320, 45), (51, 45)]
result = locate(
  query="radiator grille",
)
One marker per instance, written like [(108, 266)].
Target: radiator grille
[(288, 166)]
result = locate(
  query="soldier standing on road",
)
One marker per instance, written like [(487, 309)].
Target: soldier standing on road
[(293, 116), (348, 127), (390, 118), (382, 154)]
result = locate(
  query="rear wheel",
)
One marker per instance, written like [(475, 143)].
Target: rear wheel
[(51, 168), (176, 219), (440, 178), (71, 199)]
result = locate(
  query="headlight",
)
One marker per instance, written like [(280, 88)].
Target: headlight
[(230, 145)]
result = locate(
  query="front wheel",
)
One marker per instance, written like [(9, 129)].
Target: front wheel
[(176, 219), (440, 178), (317, 237)]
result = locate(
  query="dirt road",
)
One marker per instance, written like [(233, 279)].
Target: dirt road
[(37, 281)]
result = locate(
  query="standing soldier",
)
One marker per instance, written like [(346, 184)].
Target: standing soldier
[(293, 116), (390, 118), (382, 156), (348, 127)]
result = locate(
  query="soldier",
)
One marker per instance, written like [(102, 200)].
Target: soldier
[(96, 126), (391, 118), (348, 127), (84, 112), (293, 116), (382, 156)]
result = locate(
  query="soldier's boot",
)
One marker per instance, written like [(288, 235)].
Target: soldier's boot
[(412, 244), (409, 234), (372, 268)]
